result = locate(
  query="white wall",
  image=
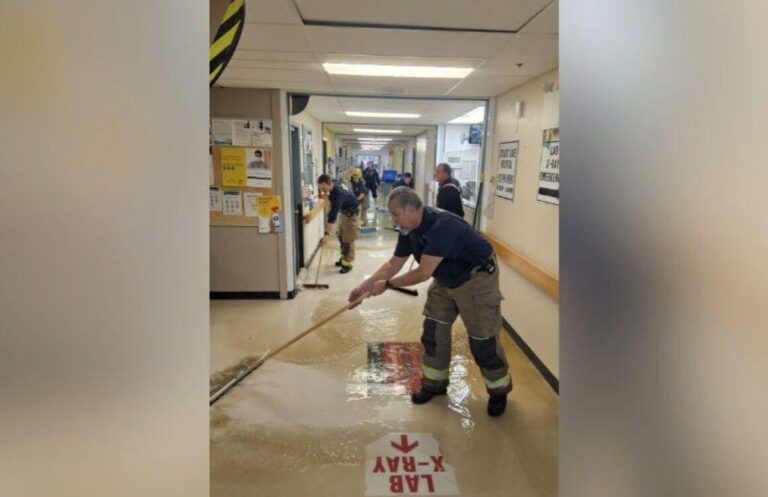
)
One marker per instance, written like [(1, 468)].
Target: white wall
[(313, 231), (426, 145), (419, 180), (526, 225), (104, 252)]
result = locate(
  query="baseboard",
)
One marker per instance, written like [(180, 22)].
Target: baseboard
[(531, 355), (247, 295)]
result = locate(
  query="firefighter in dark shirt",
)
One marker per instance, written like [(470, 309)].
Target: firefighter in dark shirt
[(449, 192), (345, 207), (465, 283)]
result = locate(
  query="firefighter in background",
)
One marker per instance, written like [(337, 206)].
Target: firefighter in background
[(345, 208), (360, 191)]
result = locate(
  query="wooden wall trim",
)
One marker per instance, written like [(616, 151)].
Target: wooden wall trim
[(545, 280)]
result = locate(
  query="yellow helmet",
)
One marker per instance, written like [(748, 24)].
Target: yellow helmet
[(356, 172)]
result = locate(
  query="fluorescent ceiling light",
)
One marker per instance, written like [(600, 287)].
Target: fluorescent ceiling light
[(393, 71), (382, 131), (474, 116), (354, 113), (366, 139)]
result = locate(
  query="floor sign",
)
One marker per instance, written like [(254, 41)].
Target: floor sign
[(408, 464), (392, 364)]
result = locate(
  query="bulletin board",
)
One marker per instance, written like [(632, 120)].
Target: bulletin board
[(217, 218), (242, 175)]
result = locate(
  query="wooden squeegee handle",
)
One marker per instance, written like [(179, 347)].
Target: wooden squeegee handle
[(315, 326), (320, 262)]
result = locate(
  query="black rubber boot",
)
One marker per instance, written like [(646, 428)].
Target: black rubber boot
[(424, 396), (338, 263), (345, 269), (496, 405)]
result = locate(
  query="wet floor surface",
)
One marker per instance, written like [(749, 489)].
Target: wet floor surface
[(299, 424)]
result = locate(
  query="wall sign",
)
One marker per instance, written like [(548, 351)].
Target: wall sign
[(549, 173), (506, 170)]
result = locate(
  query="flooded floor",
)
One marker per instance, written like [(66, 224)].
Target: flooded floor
[(330, 416)]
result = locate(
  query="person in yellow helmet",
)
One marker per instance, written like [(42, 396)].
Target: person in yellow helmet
[(360, 191)]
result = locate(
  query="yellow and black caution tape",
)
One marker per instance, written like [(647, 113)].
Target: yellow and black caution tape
[(225, 42)]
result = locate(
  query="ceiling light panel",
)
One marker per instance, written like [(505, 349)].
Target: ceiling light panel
[(387, 115), (382, 131), (392, 71)]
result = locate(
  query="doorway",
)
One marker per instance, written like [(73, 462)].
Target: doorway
[(297, 194)]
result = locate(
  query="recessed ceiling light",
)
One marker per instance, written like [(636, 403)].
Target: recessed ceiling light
[(393, 71), (474, 116), (394, 115), (382, 131)]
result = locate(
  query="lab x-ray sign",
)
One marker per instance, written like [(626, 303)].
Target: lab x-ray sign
[(408, 464)]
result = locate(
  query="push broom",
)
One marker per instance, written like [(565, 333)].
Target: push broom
[(270, 353), (317, 274)]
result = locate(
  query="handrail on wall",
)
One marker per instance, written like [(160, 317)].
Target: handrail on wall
[(545, 280)]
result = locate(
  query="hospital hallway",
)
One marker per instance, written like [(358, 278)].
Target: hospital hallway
[(331, 414)]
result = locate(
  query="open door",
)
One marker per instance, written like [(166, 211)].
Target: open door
[(298, 195)]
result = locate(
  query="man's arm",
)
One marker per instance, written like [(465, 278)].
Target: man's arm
[(427, 266), (333, 212), (386, 271)]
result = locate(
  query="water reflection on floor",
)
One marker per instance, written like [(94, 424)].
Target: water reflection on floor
[(300, 423)]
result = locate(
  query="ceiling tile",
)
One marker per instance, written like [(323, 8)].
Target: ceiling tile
[(288, 75), (271, 11), (282, 85), (266, 55), (274, 37), (545, 23), (508, 15), (490, 86), (536, 52), (403, 43)]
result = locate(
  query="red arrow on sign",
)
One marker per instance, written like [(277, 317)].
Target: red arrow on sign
[(404, 447)]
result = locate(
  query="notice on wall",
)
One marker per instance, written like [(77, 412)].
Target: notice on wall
[(233, 170), (221, 131), (233, 203), (507, 170), (210, 168), (215, 199), (549, 173), (241, 133), (250, 204), (261, 133), (408, 464), (259, 172), (270, 214)]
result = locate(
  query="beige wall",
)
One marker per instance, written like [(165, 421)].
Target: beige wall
[(313, 231), (330, 143), (526, 225)]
